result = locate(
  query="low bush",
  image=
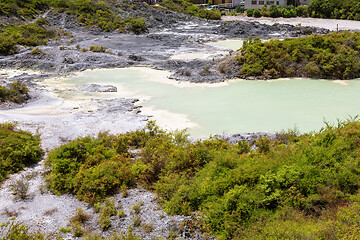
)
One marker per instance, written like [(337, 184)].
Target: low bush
[(77, 222), (187, 7), (15, 230), (89, 13), (244, 189), (18, 149), (137, 25), (17, 92), (331, 56), (106, 211), (91, 168), (98, 49), (249, 12), (257, 13), (20, 188), (31, 34)]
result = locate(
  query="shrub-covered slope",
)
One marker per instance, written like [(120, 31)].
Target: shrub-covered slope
[(18, 150), (337, 9), (89, 13), (292, 186), (17, 92), (187, 7), (330, 56)]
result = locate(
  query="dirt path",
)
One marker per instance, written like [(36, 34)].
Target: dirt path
[(331, 24)]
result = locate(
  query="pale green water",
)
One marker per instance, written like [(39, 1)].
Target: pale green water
[(239, 106), (233, 44)]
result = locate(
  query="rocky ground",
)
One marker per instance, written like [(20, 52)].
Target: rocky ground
[(169, 34)]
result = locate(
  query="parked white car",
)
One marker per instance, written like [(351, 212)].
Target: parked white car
[(212, 7)]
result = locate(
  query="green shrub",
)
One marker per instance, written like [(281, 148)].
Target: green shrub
[(15, 230), (187, 7), (137, 25), (98, 49), (249, 12), (91, 168), (274, 11), (106, 211), (265, 12), (31, 34), (288, 12), (19, 149), (35, 51), (257, 13), (20, 188), (239, 9), (17, 93), (333, 56), (77, 222), (89, 13), (289, 186)]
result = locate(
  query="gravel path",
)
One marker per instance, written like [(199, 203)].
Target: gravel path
[(331, 24)]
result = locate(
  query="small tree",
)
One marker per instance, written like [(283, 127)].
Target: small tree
[(249, 12), (274, 11), (257, 13)]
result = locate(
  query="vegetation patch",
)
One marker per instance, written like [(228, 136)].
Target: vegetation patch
[(285, 187), (89, 13), (91, 168), (32, 34), (187, 7), (18, 149), (15, 230), (106, 211), (335, 9), (331, 56), (17, 92)]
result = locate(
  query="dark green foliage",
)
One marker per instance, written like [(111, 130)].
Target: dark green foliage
[(292, 182), (277, 11), (99, 13), (27, 8), (32, 34), (274, 11), (91, 168), (184, 6), (77, 222), (18, 149), (106, 211), (17, 92), (89, 13), (257, 13), (16, 231), (239, 9), (97, 49), (137, 25), (249, 12), (316, 173), (349, 9), (288, 12), (331, 56)]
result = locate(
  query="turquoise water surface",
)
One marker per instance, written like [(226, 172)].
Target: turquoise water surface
[(236, 106)]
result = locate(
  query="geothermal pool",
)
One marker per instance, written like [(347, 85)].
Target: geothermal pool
[(231, 107)]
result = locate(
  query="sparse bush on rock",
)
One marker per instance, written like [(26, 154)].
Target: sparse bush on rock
[(16, 92)]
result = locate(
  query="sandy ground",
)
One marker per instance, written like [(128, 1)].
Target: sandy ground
[(331, 24)]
